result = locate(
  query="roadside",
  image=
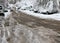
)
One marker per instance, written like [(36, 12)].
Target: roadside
[(27, 27), (34, 22), (42, 16)]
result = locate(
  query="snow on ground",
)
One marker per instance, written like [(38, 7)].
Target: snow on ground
[(27, 4), (23, 34), (10, 5), (7, 14), (43, 16)]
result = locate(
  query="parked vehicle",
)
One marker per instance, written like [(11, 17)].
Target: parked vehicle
[(2, 7), (49, 9)]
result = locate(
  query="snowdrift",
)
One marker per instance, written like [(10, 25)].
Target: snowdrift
[(36, 6)]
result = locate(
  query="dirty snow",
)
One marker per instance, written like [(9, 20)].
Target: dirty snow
[(23, 34), (43, 16)]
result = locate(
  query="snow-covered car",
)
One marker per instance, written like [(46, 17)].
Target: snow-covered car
[(49, 9), (26, 8)]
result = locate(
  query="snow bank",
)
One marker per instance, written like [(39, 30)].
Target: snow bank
[(10, 5), (34, 5), (7, 14), (24, 4), (52, 16)]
